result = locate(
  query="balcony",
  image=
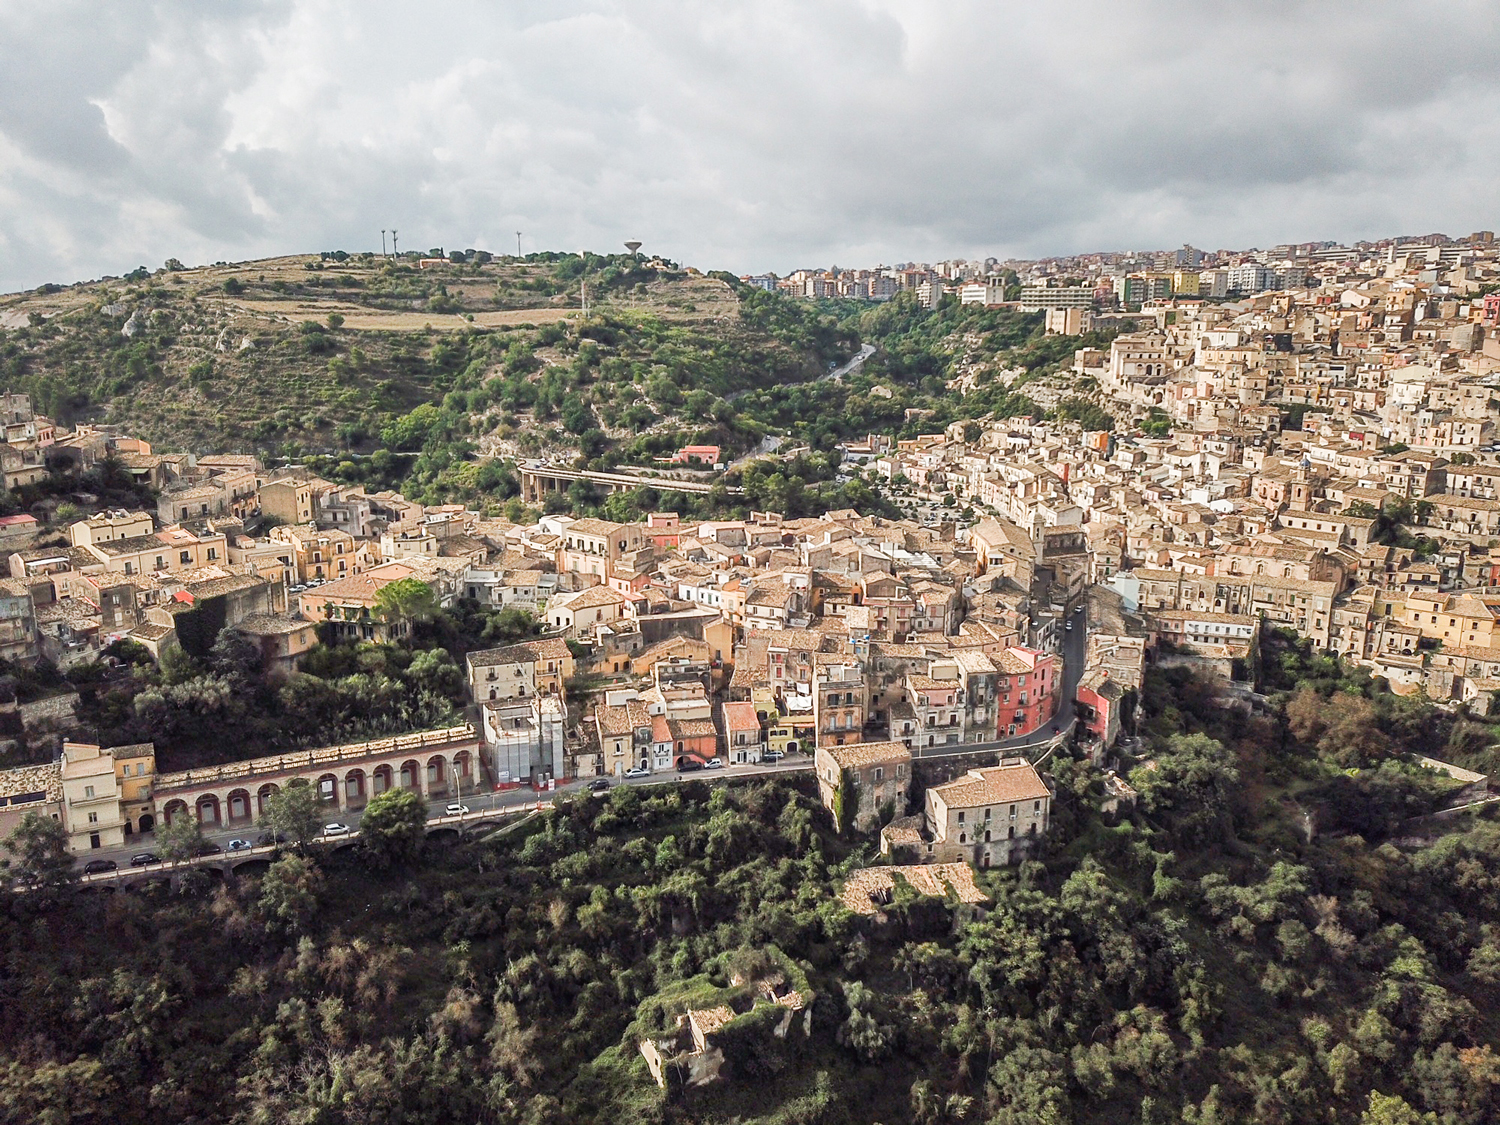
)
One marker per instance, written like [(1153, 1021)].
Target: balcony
[(100, 799)]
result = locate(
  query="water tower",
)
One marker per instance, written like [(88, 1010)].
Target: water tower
[(633, 245)]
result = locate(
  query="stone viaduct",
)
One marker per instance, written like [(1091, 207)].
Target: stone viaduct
[(434, 763), (537, 480)]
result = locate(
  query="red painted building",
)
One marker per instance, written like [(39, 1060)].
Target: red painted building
[(1026, 690), (1099, 705)]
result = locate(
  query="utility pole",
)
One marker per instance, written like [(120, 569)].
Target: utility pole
[(382, 242)]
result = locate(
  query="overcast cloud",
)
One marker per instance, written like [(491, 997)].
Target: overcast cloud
[(742, 135)]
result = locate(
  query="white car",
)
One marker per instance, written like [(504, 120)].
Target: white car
[(638, 771), (1068, 626), (455, 809), (335, 829), (239, 845), (714, 764)]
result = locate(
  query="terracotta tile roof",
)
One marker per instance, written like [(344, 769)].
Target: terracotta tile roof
[(26, 780), (993, 786), (866, 753), (865, 891), (527, 652), (692, 728), (740, 716), (710, 1020)]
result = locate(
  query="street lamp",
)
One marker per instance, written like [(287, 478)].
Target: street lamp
[(458, 784)]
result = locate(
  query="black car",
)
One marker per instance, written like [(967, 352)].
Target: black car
[(144, 858), (689, 764), (270, 838), (599, 785), (99, 866), (210, 848)]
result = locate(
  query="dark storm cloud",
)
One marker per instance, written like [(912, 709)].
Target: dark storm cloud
[(743, 135)]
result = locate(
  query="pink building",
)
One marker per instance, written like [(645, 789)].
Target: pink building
[(1026, 690)]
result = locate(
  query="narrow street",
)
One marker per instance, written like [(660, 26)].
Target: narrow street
[(478, 803), (1075, 642)]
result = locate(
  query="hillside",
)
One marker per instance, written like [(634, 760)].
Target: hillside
[(1206, 959), (317, 354), (434, 378)]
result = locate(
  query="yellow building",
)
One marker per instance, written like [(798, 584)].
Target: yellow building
[(790, 722), (1455, 619), (135, 770), (91, 799), (1185, 283)]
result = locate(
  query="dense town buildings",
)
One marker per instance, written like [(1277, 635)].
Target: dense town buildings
[(1306, 438)]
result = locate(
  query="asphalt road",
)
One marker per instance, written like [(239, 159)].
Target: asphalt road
[(854, 364), (478, 804), (1075, 642)]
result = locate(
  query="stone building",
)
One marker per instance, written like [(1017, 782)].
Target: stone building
[(859, 782)]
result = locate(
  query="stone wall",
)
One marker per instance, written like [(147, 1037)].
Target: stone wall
[(59, 709)]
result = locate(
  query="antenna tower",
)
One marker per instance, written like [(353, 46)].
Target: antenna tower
[(393, 242)]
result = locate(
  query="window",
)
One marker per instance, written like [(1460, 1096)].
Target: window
[(960, 816), (88, 790), (879, 773)]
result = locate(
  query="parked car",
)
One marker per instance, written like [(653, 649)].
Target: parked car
[(99, 866), (638, 771), (714, 764), (209, 848), (270, 838), (335, 829), (689, 765), (238, 845), (772, 756), (456, 809), (143, 858), (1069, 626), (599, 785)]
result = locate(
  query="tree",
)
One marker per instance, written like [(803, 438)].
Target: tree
[(40, 847), (294, 812), (863, 1031), (393, 825), (180, 839), (1393, 1110), (289, 894), (405, 600)]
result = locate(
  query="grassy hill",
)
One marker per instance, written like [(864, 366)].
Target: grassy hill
[(309, 353), (433, 378)]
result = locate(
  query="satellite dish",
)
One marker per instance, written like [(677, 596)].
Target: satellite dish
[(633, 246)]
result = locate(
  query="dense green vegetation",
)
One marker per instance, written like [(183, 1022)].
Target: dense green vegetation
[(442, 413), (1211, 956), (219, 707)]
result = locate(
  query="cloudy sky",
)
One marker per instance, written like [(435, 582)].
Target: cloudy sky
[(765, 134)]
